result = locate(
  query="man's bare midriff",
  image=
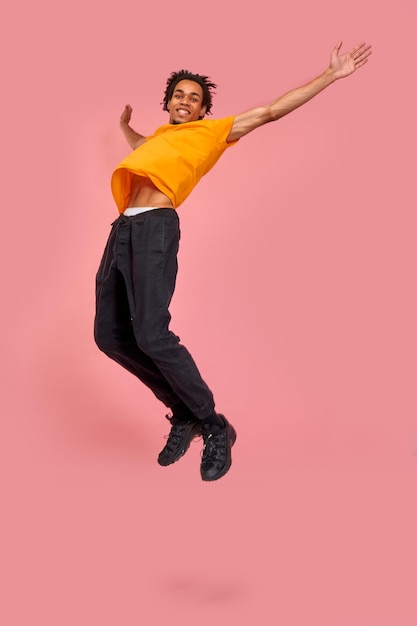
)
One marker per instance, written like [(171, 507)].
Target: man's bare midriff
[(144, 193)]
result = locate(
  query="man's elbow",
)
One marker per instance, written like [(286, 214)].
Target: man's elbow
[(273, 113)]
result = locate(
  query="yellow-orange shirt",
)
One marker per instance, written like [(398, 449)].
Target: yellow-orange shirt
[(175, 158)]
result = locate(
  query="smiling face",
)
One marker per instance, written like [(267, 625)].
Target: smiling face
[(186, 104)]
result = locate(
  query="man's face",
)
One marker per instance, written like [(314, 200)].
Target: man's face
[(186, 103)]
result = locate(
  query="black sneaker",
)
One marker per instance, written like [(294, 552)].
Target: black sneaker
[(181, 435), (217, 452)]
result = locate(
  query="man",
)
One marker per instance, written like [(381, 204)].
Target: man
[(136, 278)]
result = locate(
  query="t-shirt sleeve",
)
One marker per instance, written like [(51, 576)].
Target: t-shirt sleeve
[(221, 129)]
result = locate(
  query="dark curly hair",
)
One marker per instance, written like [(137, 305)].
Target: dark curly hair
[(204, 81)]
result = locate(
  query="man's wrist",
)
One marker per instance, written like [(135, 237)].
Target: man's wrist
[(329, 76)]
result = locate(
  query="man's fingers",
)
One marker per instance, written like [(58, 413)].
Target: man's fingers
[(361, 50), (360, 63), (127, 112)]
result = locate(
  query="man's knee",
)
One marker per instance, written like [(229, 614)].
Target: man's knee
[(156, 343), (104, 341)]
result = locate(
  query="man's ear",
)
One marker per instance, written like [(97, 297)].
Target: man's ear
[(203, 112)]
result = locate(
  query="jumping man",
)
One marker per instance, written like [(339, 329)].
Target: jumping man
[(136, 277)]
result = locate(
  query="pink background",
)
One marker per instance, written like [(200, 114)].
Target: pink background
[(296, 295)]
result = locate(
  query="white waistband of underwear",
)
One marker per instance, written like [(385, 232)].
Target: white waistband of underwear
[(135, 210)]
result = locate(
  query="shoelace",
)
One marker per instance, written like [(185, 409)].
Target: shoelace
[(175, 434), (215, 446)]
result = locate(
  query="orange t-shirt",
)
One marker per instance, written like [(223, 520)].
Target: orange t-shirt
[(175, 158)]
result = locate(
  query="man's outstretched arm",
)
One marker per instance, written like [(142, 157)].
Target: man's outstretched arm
[(341, 65), (132, 137)]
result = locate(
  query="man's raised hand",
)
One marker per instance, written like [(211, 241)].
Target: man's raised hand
[(345, 64), (126, 115), (133, 138)]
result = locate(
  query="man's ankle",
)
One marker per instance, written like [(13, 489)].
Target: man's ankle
[(213, 422)]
